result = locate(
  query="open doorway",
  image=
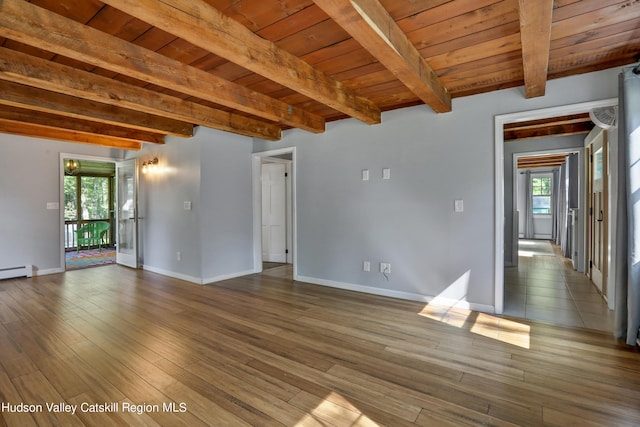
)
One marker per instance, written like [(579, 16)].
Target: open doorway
[(274, 212), (88, 212), (554, 279)]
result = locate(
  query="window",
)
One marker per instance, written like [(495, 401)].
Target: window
[(541, 194)]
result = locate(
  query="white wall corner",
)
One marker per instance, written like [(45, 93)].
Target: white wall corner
[(173, 274), (222, 277)]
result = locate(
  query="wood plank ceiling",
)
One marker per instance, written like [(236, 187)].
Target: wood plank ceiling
[(125, 72)]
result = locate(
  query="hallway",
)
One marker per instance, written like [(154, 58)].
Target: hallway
[(545, 287)]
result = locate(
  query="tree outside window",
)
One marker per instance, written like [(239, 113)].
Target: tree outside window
[(541, 195)]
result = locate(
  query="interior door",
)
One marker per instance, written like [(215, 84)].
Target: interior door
[(126, 214), (274, 224), (598, 211)]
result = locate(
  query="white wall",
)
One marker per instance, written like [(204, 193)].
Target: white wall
[(409, 221), (212, 170), (29, 179), (226, 222), (166, 227)]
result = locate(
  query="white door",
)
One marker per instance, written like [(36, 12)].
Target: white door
[(598, 211), (126, 214), (274, 224)]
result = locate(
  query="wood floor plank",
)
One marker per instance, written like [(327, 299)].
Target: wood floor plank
[(266, 350), (10, 395), (35, 389)]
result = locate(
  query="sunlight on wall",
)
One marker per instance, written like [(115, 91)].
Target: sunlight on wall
[(455, 293)]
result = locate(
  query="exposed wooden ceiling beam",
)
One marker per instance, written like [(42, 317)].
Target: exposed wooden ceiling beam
[(18, 115), (29, 129), (32, 98), (579, 128), (541, 159), (562, 120), (24, 22), (541, 165), (204, 26), (370, 24), (535, 33), (551, 160), (22, 68)]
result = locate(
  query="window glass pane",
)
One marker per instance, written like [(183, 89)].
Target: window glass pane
[(541, 204), (597, 164), (541, 191), (95, 197), (70, 208)]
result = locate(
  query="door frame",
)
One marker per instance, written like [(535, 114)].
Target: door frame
[(257, 159), (136, 216), (62, 156), (605, 211), (499, 214)]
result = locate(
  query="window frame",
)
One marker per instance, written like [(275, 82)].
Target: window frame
[(539, 189)]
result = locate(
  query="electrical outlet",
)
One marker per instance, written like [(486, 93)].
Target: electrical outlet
[(385, 267), (366, 266), (178, 256)]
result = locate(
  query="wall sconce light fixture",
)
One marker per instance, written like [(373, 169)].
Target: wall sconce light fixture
[(71, 167), (150, 166)]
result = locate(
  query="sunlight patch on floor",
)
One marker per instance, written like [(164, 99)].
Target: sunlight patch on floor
[(336, 410), (503, 330), (527, 254), (486, 325)]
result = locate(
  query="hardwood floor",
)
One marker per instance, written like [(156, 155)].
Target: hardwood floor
[(264, 350)]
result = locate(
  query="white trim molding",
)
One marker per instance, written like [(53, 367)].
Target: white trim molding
[(397, 294)]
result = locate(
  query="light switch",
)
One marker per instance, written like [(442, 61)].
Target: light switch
[(386, 173), (458, 206), (365, 174), (187, 206), (53, 205)]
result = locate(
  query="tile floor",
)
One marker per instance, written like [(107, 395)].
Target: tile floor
[(545, 287)]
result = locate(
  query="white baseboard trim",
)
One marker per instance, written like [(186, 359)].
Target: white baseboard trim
[(173, 274), (398, 294), (226, 277), (46, 271), (196, 280)]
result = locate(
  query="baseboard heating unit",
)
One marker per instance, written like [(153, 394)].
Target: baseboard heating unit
[(12, 272)]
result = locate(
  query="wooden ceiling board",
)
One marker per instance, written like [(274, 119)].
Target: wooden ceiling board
[(473, 46), (256, 15), (431, 17), (471, 23), (403, 9), (567, 9), (292, 24), (80, 11), (488, 35), (119, 24), (613, 14)]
